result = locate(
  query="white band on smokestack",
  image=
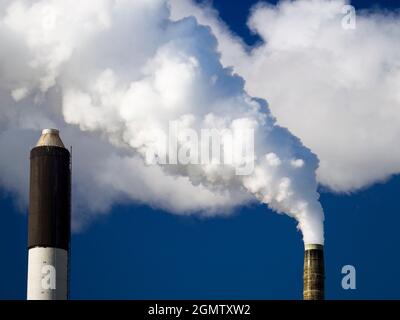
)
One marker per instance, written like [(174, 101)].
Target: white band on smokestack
[(47, 274)]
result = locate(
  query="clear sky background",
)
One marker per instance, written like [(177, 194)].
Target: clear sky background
[(136, 252)]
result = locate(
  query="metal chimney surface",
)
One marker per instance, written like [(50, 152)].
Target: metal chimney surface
[(50, 137), (314, 272)]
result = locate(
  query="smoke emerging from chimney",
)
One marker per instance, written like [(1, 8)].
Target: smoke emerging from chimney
[(317, 79), (123, 71)]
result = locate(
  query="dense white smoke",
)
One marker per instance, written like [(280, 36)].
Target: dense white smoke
[(113, 75), (337, 89)]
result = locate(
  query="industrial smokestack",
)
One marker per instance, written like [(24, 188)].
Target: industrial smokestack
[(49, 218), (314, 274)]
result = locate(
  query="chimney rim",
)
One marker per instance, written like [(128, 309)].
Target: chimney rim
[(51, 131), (313, 246)]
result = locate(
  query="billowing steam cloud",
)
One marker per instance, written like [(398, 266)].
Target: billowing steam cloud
[(122, 70), (337, 89)]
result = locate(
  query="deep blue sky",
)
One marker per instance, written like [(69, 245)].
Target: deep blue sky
[(136, 252)]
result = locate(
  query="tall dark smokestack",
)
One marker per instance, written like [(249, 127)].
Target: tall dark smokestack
[(314, 273), (49, 218)]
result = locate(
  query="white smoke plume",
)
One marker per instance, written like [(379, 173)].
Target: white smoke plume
[(112, 75), (337, 89)]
